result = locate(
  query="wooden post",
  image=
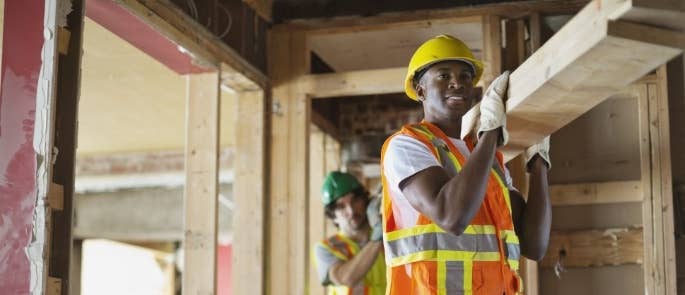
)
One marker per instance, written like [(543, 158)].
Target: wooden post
[(201, 189), (657, 209), (317, 218), (249, 195), (492, 48), (288, 259)]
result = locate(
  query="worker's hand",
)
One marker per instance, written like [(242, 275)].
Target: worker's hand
[(373, 215), (492, 110), (541, 149)]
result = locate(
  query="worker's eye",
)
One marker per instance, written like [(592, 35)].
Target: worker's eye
[(443, 76), (466, 76)]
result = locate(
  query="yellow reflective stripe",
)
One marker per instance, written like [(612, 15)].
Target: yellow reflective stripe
[(335, 252), (455, 161), (510, 236), (444, 255), (513, 264), (505, 189), (468, 277), (442, 278), (473, 229), (353, 245)]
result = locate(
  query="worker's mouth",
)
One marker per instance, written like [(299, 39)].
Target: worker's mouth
[(455, 101)]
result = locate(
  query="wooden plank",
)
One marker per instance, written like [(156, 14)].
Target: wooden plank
[(317, 218), (492, 48), (597, 193), (355, 83), (288, 259), (588, 60), (649, 264), (298, 176), (201, 190), (586, 248), (393, 19), (207, 48), (662, 183), (249, 196), (325, 125)]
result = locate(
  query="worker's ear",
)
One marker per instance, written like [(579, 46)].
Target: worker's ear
[(420, 93)]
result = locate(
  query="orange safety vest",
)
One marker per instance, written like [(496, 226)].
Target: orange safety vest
[(424, 259)]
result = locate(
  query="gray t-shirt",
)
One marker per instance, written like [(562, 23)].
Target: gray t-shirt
[(329, 252)]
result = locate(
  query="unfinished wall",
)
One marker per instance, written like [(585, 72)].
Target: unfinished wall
[(600, 146)]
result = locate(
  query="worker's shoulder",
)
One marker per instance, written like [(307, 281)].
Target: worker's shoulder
[(333, 241)]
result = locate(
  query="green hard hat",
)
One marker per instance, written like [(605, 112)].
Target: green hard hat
[(336, 185)]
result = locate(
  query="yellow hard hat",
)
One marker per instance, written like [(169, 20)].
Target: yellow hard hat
[(437, 49)]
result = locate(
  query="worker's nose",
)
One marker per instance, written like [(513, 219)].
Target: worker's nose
[(349, 211)]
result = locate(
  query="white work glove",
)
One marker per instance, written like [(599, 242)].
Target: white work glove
[(492, 111), (541, 149), (373, 215)]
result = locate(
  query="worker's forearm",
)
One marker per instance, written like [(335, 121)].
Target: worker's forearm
[(352, 271), (537, 216), (462, 195)]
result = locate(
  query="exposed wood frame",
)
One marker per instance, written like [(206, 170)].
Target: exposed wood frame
[(249, 195), (317, 218), (413, 18), (657, 181), (353, 83), (589, 248), (288, 260), (201, 189), (492, 48), (200, 43), (597, 193)]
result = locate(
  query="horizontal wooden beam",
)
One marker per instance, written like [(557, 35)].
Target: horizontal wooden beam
[(354, 83), (586, 248), (199, 42), (592, 57), (393, 19), (596, 193)]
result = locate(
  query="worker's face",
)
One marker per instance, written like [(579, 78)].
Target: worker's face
[(446, 90), (350, 212)]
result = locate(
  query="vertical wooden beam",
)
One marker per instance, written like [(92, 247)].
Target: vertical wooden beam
[(657, 213), (201, 189), (317, 218), (249, 195), (65, 141), (288, 259), (492, 48)]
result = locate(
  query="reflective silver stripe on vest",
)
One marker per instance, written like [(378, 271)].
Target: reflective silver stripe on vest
[(441, 241), (499, 171), (454, 277), (513, 251), (442, 149)]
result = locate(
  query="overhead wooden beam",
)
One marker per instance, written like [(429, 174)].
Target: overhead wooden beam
[(200, 43), (589, 59), (393, 19), (588, 248), (201, 189), (596, 193), (354, 83)]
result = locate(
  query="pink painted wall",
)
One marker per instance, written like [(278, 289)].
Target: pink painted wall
[(22, 43), (224, 269)]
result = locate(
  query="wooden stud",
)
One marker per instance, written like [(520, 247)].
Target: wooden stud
[(201, 189), (355, 83), (317, 218), (249, 195), (492, 48), (288, 259), (585, 248), (597, 193)]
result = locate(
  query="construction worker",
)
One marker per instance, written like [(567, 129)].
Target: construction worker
[(453, 222), (351, 261)]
